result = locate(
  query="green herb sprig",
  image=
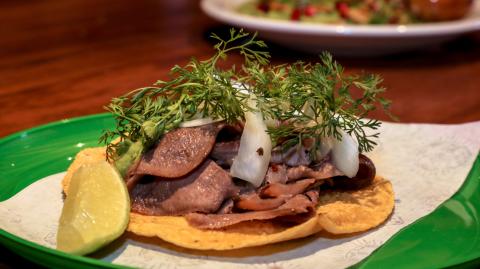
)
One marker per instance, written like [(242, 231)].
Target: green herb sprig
[(316, 100), (309, 100), (199, 89)]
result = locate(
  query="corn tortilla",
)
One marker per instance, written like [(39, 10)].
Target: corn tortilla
[(339, 212)]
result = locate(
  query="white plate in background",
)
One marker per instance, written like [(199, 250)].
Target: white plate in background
[(344, 39)]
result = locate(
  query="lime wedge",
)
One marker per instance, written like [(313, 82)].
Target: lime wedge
[(96, 210)]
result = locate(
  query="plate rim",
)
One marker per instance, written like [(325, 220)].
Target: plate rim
[(59, 254), (40, 127)]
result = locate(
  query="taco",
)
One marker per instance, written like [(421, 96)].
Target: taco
[(222, 160), (339, 211)]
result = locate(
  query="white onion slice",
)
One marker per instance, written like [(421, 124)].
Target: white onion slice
[(198, 122), (326, 145), (345, 154), (255, 150)]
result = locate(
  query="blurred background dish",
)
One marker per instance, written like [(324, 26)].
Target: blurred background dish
[(373, 12), (356, 39)]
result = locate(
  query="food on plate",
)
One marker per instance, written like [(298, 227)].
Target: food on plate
[(96, 209), (358, 11), (224, 159), (86, 156), (338, 212), (440, 10)]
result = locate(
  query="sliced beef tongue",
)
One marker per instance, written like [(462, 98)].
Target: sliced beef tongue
[(272, 195), (277, 173), (226, 207), (179, 151), (322, 170), (280, 173), (252, 201), (282, 183), (294, 156), (177, 177), (203, 190), (278, 191), (224, 152), (298, 205), (281, 189)]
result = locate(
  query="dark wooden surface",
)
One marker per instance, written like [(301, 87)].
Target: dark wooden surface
[(62, 59)]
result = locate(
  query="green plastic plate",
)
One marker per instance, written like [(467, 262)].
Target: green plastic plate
[(450, 236)]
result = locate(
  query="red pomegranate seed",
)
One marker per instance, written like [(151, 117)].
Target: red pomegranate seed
[(310, 10), (296, 14), (342, 8), (263, 7)]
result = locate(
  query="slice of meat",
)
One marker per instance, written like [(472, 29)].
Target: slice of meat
[(280, 189), (203, 190), (294, 156), (132, 180), (226, 207), (277, 173), (298, 205), (313, 196), (252, 201), (224, 152), (179, 151), (272, 195), (323, 170)]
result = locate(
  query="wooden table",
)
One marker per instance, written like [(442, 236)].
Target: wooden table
[(62, 59)]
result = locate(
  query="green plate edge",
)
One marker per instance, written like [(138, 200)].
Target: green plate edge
[(449, 236)]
